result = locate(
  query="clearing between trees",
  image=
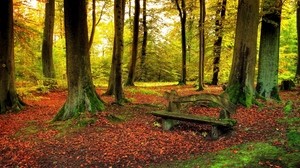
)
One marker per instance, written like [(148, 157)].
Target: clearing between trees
[(129, 136)]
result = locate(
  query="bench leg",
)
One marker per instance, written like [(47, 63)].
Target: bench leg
[(167, 124), (215, 132)]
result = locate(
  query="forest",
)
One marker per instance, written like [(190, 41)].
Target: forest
[(147, 83)]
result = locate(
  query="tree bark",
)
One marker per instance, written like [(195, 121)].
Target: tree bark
[(241, 80), (201, 46), (182, 16), (47, 47), (82, 96), (220, 15), (135, 40), (145, 39), (267, 79), (111, 81), (119, 11), (9, 100), (298, 38)]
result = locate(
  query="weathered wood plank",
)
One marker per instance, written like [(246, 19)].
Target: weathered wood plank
[(194, 118)]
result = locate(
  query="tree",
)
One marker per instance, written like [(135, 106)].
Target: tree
[(82, 96), (220, 17), (119, 11), (47, 47), (298, 36), (267, 79), (145, 39), (182, 15), (241, 80), (9, 99), (201, 45), (135, 40)]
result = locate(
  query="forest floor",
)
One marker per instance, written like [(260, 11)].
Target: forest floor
[(128, 136)]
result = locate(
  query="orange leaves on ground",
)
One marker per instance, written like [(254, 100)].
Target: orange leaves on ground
[(135, 142)]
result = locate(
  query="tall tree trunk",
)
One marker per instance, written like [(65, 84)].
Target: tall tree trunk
[(201, 46), (82, 96), (111, 81), (182, 15), (241, 81), (267, 79), (135, 40), (119, 11), (298, 36), (47, 47), (94, 22), (220, 15), (9, 99), (145, 39)]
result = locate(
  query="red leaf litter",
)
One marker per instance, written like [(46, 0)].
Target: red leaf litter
[(29, 139)]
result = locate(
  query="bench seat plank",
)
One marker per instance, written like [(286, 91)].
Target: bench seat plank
[(194, 118)]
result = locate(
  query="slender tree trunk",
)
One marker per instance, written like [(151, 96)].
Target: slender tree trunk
[(298, 36), (267, 79), (145, 39), (182, 15), (220, 15), (82, 96), (47, 47), (135, 40), (241, 81), (93, 25), (201, 45), (9, 100), (111, 81), (119, 11)]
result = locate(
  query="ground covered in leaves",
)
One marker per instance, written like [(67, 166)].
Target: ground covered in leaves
[(128, 136)]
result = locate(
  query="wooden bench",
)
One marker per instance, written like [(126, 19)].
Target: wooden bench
[(173, 115)]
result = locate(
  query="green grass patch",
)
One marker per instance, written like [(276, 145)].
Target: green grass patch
[(30, 129), (245, 155), (144, 91)]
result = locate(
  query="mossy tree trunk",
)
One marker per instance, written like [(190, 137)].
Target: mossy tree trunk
[(241, 81), (298, 38), (135, 40), (182, 15), (267, 80), (201, 45), (9, 100), (220, 17), (82, 96), (47, 47)]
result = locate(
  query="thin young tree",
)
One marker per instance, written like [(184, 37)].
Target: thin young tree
[(9, 100), (182, 15), (82, 96), (240, 87), (201, 46), (144, 42), (297, 76), (135, 40), (267, 79), (220, 17), (47, 47)]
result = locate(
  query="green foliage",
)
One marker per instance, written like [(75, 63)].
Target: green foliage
[(246, 155), (288, 107), (294, 138)]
